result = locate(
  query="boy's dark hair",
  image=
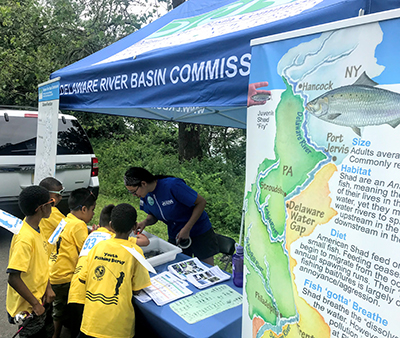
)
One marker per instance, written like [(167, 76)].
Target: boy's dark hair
[(31, 198), (50, 183), (105, 215), (81, 197), (123, 218)]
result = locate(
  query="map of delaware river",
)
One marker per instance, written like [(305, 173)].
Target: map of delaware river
[(275, 306), (322, 204)]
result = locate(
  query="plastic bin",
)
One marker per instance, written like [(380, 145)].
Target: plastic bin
[(168, 250)]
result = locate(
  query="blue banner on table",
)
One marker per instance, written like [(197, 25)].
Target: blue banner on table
[(322, 181)]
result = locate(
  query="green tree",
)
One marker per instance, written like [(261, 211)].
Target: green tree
[(47, 35), (228, 144), (38, 37), (22, 52)]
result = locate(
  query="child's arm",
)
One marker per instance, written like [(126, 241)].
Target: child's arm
[(49, 295), (15, 281), (142, 240)]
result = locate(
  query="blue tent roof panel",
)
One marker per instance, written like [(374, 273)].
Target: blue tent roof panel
[(197, 55)]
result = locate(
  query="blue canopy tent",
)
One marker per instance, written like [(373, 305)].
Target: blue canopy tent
[(192, 64)]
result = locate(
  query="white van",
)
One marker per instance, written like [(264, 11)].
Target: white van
[(77, 166)]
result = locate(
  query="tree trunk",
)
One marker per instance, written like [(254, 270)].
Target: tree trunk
[(189, 134), (189, 141)]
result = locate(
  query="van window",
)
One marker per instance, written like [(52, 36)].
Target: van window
[(18, 137)]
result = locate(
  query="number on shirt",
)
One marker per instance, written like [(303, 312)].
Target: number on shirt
[(90, 243)]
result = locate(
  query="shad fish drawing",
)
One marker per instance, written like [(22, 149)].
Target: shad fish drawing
[(261, 97), (358, 105)]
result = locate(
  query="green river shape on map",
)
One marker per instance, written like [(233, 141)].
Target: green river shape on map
[(269, 285)]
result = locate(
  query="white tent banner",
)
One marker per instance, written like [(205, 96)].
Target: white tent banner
[(322, 221)]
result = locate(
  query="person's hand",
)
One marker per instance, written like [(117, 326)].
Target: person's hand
[(183, 234), (142, 240), (38, 309), (140, 236), (258, 97), (95, 227), (49, 296), (140, 227)]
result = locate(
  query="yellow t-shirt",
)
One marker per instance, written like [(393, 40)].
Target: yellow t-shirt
[(77, 289), (111, 274), (48, 225), (28, 255), (65, 254)]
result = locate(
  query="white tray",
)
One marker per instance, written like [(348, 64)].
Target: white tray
[(169, 251)]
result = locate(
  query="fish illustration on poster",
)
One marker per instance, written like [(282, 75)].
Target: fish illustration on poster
[(322, 221), (358, 105)]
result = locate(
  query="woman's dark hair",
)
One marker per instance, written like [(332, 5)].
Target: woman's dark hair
[(81, 197), (135, 175), (123, 218), (105, 215), (31, 198)]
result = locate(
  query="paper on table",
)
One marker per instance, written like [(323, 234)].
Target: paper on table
[(165, 288), (142, 297), (208, 277), (184, 268), (197, 273), (207, 303)]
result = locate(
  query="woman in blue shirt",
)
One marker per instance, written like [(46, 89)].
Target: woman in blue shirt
[(169, 199)]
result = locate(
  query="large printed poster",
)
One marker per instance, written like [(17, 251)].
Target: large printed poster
[(322, 239), (47, 131)]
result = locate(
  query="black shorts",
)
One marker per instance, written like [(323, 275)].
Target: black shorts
[(61, 301), (203, 246), (82, 335)]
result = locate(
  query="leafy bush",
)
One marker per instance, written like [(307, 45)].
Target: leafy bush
[(154, 146)]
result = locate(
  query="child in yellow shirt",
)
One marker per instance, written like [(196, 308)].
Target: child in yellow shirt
[(64, 257), (28, 273), (48, 225), (77, 291), (112, 274)]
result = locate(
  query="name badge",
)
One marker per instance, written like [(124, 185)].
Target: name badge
[(10, 222), (93, 239), (56, 234)]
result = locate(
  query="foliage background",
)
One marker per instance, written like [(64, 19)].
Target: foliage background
[(37, 37), (47, 35), (218, 177)]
